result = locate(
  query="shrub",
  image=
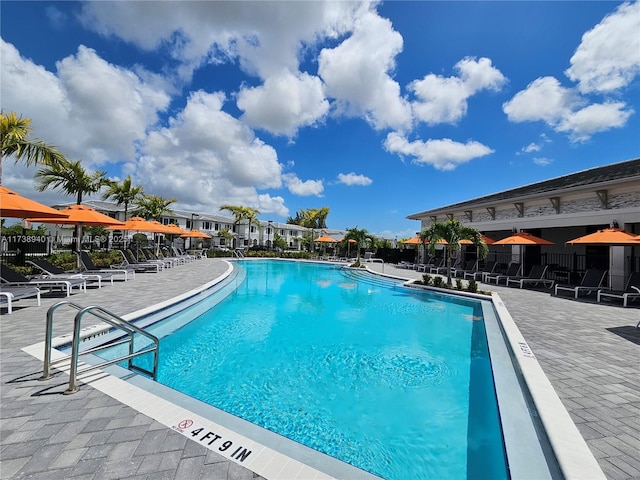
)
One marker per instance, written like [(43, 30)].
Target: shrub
[(472, 286), (458, 284), (426, 279), (439, 282)]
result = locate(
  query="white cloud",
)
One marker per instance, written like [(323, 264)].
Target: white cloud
[(564, 111), (303, 188), (543, 99), (582, 124), (444, 154), (206, 158), (354, 179), (608, 58), (284, 103), (91, 110), (532, 147), (542, 161), (444, 99), (357, 74)]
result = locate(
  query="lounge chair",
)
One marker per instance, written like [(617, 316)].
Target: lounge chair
[(146, 255), (470, 266), (13, 278), (180, 254), (488, 269), (442, 269), (9, 294), (433, 265), (535, 277), (512, 271), (140, 267), (89, 267), (50, 270), (591, 281), (630, 291)]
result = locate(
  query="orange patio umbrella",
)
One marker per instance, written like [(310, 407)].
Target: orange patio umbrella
[(138, 224), (487, 240), (80, 215), (416, 241), (175, 229), (608, 237), (325, 239), (195, 234), (523, 238), (14, 205)]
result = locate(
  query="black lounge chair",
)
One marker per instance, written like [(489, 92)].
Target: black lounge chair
[(141, 267), (9, 294), (470, 266), (631, 290), (488, 269), (512, 271), (89, 266), (535, 277), (591, 281), (13, 278), (49, 270)]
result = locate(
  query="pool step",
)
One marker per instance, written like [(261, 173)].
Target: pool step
[(371, 279)]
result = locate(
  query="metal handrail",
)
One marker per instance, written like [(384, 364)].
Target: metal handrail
[(238, 253), (108, 317)]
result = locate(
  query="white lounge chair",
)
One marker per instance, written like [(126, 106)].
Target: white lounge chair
[(630, 291), (10, 293), (535, 277)]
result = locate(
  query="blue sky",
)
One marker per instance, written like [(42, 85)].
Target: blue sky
[(375, 110)]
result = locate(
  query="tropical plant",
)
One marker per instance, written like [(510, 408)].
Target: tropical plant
[(72, 179), (152, 207), (361, 236), (15, 143), (279, 242), (123, 193), (241, 213), (227, 234), (314, 218), (452, 231)]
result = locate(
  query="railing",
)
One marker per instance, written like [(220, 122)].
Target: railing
[(109, 318), (238, 253)]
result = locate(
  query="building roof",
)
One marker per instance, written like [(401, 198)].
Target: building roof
[(626, 170)]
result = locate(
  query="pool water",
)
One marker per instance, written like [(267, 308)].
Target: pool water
[(394, 381)]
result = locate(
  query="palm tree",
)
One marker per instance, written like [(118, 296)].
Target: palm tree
[(361, 236), (72, 179), (15, 131), (123, 193), (152, 207), (452, 231), (241, 213)]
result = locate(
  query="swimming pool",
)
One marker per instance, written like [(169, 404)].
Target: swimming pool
[(391, 380)]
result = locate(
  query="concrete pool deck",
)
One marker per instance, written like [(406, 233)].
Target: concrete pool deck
[(590, 353)]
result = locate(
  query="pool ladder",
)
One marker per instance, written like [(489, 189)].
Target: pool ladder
[(107, 317)]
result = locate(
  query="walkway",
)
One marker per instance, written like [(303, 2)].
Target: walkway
[(89, 435)]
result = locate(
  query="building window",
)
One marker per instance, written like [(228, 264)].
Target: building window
[(189, 223), (217, 227), (206, 225)]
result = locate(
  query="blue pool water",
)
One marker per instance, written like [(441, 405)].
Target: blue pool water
[(394, 381)]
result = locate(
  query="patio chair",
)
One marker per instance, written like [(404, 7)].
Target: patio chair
[(513, 270), (442, 269), (139, 267), (90, 267), (434, 264), (146, 255), (13, 278), (470, 266), (535, 277), (488, 269), (180, 254), (9, 294), (52, 271), (591, 281), (630, 291)]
